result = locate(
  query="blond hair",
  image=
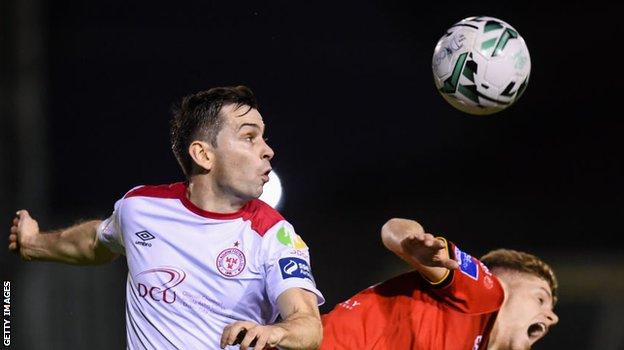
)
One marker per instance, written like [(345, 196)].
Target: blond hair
[(522, 262)]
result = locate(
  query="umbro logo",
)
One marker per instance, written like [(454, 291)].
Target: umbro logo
[(144, 236)]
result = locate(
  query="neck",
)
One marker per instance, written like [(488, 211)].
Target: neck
[(495, 341), (492, 342), (206, 195)]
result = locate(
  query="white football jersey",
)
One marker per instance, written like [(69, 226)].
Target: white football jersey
[(192, 272)]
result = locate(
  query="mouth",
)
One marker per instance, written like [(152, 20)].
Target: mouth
[(536, 330), (265, 175)]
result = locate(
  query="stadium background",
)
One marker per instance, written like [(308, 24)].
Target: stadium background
[(359, 130)]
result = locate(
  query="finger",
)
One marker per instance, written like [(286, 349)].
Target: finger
[(15, 221), (13, 246), (250, 339), (438, 243), (13, 230), (450, 264), (415, 239), (225, 336), (12, 238), (261, 341), (233, 330), (420, 235), (428, 240)]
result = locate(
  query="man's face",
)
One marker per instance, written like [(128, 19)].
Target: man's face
[(526, 314), (242, 157)]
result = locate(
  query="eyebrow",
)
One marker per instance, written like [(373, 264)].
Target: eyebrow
[(253, 125), (547, 293)]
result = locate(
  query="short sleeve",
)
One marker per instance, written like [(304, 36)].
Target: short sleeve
[(472, 288), (287, 262), (109, 232)]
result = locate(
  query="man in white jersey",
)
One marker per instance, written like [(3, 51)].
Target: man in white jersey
[(209, 264)]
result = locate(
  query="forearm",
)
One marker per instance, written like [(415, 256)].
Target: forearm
[(76, 245), (302, 331), (395, 232)]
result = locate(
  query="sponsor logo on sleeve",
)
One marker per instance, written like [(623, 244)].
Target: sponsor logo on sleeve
[(485, 269), (300, 252), (467, 264), (290, 239), (295, 268)]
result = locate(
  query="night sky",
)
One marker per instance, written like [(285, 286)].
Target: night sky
[(360, 132)]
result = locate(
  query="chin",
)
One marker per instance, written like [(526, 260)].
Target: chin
[(520, 343), (256, 194)]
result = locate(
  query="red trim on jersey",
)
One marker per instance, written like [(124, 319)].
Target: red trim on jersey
[(160, 191), (261, 215)]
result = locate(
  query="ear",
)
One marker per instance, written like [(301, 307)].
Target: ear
[(202, 154)]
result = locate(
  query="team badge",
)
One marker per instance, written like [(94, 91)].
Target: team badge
[(231, 262)]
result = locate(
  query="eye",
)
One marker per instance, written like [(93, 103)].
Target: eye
[(541, 300)]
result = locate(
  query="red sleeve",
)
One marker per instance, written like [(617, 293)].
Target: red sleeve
[(471, 288)]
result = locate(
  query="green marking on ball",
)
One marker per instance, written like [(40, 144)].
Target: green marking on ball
[(507, 34), (488, 44), (492, 25), (450, 84)]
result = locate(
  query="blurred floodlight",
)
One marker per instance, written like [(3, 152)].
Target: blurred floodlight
[(272, 191)]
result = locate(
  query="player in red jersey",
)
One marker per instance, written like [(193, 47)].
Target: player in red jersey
[(451, 301)]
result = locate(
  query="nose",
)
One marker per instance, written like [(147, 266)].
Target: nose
[(267, 152), (553, 319)]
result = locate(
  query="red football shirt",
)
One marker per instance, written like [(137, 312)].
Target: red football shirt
[(409, 312)]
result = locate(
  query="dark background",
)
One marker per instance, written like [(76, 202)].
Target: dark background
[(360, 133)]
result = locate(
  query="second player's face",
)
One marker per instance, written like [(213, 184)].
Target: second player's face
[(526, 314), (242, 163)]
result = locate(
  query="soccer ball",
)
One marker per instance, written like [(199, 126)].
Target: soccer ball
[(481, 65)]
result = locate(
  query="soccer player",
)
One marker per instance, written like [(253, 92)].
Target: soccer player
[(451, 300), (209, 264)]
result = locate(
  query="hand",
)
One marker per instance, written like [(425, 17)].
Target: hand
[(427, 250), (250, 334), (24, 231)]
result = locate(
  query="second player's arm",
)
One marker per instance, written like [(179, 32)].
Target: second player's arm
[(76, 245), (427, 254)]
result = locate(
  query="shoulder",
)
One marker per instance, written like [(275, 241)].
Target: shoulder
[(402, 285), (174, 190), (262, 216), (129, 203)]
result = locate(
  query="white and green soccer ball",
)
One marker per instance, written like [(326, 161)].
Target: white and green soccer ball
[(481, 65)]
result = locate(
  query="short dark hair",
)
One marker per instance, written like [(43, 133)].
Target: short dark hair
[(514, 260), (198, 117)]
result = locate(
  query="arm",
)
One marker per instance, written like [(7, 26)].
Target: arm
[(301, 328), (76, 245), (427, 254)]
